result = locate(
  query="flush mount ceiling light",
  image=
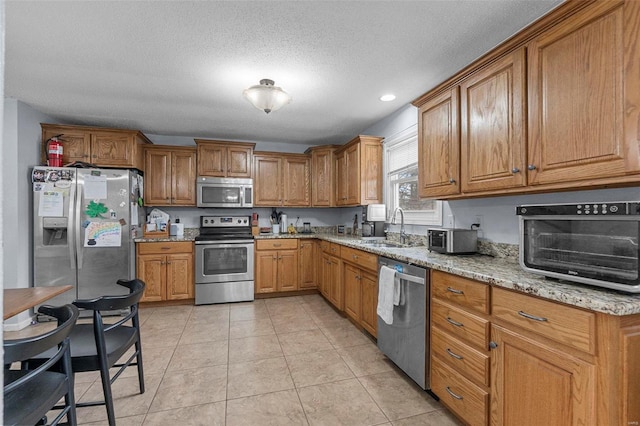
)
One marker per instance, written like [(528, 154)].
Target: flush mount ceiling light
[(267, 97), (387, 98)]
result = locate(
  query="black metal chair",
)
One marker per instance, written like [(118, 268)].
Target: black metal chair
[(98, 346), (30, 394)]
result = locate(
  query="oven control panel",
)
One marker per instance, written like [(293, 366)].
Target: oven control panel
[(224, 221), (583, 209)]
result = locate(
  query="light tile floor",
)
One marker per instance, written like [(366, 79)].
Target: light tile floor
[(281, 361)]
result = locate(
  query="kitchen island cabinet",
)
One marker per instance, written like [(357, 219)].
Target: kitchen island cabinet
[(170, 176), (167, 269), (103, 147)]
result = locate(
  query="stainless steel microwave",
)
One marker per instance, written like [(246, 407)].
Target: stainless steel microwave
[(589, 243), (224, 192)]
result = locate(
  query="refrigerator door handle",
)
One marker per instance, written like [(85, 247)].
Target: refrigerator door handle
[(71, 228), (76, 228)]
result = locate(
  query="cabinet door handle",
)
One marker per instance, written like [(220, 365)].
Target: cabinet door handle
[(531, 317), (358, 277), (456, 396), (455, 323), (168, 263), (515, 170), (454, 291), (275, 257), (531, 167), (280, 258), (355, 257), (454, 355), (452, 181)]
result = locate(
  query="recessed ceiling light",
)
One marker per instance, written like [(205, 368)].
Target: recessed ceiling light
[(387, 98)]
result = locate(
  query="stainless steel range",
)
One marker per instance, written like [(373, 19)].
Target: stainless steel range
[(224, 260)]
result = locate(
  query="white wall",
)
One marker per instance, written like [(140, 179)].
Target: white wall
[(21, 151)]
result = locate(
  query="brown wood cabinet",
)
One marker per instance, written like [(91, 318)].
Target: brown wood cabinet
[(170, 176), (276, 265), (307, 256), (224, 158), (323, 176), (167, 270), (459, 355), (439, 146), (103, 147), (331, 286), (493, 125), (281, 179), (360, 284), (359, 172), (582, 98), (579, 365)]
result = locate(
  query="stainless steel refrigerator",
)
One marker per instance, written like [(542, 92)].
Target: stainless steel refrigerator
[(84, 223)]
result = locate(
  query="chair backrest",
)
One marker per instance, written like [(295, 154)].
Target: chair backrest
[(28, 347), (112, 303)]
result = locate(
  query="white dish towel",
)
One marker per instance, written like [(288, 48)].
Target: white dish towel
[(386, 293)]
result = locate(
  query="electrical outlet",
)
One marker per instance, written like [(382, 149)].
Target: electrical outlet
[(478, 221)]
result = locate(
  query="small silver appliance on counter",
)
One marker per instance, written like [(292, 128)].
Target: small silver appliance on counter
[(373, 218), (453, 240), (589, 243)]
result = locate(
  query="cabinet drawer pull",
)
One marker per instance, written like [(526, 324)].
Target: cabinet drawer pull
[(456, 323), (456, 396), (277, 245), (165, 248), (531, 317), (355, 257), (454, 355), (454, 291)]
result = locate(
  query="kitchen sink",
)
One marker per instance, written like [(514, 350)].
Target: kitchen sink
[(386, 244)]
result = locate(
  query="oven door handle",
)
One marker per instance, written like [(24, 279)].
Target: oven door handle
[(218, 242)]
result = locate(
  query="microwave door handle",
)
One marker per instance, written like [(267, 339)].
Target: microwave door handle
[(242, 196)]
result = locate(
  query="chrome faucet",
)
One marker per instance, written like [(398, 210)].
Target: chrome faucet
[(403, 235)]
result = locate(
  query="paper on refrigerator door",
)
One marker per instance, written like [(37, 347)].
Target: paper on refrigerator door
[(95, 187), (51, 204), (103, 234)]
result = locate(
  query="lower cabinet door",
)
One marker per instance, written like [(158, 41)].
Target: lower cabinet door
[(180, 276), (266, 272), (534, 384), (369, 315), (352, 296), (287, 270), (152, 270)]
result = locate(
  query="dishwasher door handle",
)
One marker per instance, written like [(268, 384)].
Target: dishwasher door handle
[(412, 278)]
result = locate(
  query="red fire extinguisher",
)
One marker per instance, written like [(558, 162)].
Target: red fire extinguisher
[(54, 151)]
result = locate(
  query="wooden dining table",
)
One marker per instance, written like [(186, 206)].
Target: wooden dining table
[(17, 300)]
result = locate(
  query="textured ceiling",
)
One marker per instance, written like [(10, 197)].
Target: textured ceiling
[(179, 67)]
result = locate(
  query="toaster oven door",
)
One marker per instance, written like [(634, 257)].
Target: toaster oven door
[(591, 250)]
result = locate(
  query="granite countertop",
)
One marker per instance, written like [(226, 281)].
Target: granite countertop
[(499, 272)]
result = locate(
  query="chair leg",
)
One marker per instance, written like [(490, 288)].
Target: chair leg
[(140, 368), (106, 389)]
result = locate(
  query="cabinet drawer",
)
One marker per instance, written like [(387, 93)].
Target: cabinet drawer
[(460, 324), (460, 291), (567, 325), (360, 258), (330, 248), (464, 398), (471, 363), (277, 244), (165, 247)]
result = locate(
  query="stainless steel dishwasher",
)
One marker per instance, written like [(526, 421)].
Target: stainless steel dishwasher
[(406, 340)]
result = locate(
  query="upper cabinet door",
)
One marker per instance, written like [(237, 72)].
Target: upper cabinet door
[(112, 149), (352, 159), (341, 178), (267, 181), (183, 178), (577, 97), (371, 173), (157, 179), (439, 146), (239, 161), (296, 181), (322, 190), (493, 125), (212, 160)]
